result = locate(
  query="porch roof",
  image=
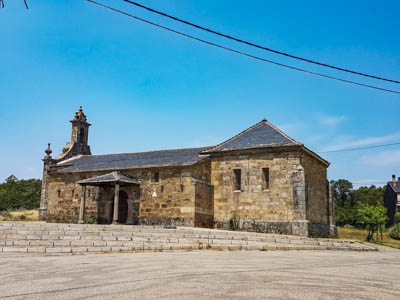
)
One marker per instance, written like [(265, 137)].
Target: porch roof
[(110, 179)]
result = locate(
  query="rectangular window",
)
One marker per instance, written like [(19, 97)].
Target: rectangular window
[(265, 176), (238, 179), (156, 177)]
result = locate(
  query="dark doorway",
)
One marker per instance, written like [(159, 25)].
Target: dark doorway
[(123, 207)]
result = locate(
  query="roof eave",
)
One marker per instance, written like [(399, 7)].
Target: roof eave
[(316, 156), (270, 146)]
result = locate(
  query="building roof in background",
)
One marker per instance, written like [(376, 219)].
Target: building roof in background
[(395, 188)]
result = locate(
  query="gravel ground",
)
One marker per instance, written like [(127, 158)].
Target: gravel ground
[(203, 274)]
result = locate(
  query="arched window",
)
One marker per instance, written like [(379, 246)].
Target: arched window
[(82, 135)]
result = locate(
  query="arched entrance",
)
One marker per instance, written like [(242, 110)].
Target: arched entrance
[(123, 207)]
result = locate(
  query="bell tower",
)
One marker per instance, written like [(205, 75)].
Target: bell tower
[(80, 128), (79, 138)]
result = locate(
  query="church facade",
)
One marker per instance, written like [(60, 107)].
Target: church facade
[(259, 180)]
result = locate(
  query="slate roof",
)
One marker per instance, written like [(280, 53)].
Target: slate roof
[(111, 178), (396, 188), (120, 161), (262, 134)]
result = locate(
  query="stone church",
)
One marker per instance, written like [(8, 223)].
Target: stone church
[(259, 180)]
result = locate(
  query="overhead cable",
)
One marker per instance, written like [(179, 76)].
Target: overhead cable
[(359, 148), (243, 53), (258, 46)]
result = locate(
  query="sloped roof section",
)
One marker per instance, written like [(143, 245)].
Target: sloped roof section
[(396, 188), (262, 134), (111, 178), (121, 161)]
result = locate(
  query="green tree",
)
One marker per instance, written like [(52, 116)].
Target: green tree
[(20, 194), (348, 201), (372, 218), (341, 192), (369, 195)]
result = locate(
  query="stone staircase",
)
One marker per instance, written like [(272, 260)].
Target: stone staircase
[(40, 237)]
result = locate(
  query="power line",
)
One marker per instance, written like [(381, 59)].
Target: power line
[(372, 182), (258, 46), (243, 53), (360, 148)]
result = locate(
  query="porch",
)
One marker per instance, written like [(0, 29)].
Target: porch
[(122, 205)]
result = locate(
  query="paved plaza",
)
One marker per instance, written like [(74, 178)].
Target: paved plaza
[(203, 274)]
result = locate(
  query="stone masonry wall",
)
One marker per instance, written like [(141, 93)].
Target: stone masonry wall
[(64, 197), (317, 195), (204, 204), (170, 201), (257, 209)]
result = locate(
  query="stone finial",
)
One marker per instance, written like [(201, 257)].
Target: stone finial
[(264, 119), (79, 115), (48, 150)]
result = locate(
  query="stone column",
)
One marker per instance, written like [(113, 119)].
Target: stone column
[(116, 204), (44, 196), (129, 220), (82, 208), (332, 222), (300, 225)]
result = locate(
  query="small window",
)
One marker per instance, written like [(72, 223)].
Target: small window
[(182, 188), (238, 179), (265, 178), (82, 135), (156, 177)]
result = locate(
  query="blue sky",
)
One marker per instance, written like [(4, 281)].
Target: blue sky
[(143, 88)]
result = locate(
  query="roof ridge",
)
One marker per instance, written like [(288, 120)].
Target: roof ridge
[(235, 136), (69, 159), (263, 121), (281, 132), (116, 175)]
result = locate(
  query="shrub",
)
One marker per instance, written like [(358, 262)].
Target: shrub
[(5, 213), (394, 232), (397, 218), (234, 223), (22, 217), (91, 220)]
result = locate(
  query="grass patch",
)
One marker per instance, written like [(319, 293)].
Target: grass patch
[(20, 215), (360, 235)]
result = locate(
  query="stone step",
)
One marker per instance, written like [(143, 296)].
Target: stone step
[(166, 247), (180, 234), (26, 238), (122, 228), (108, 242), (71, 238)]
